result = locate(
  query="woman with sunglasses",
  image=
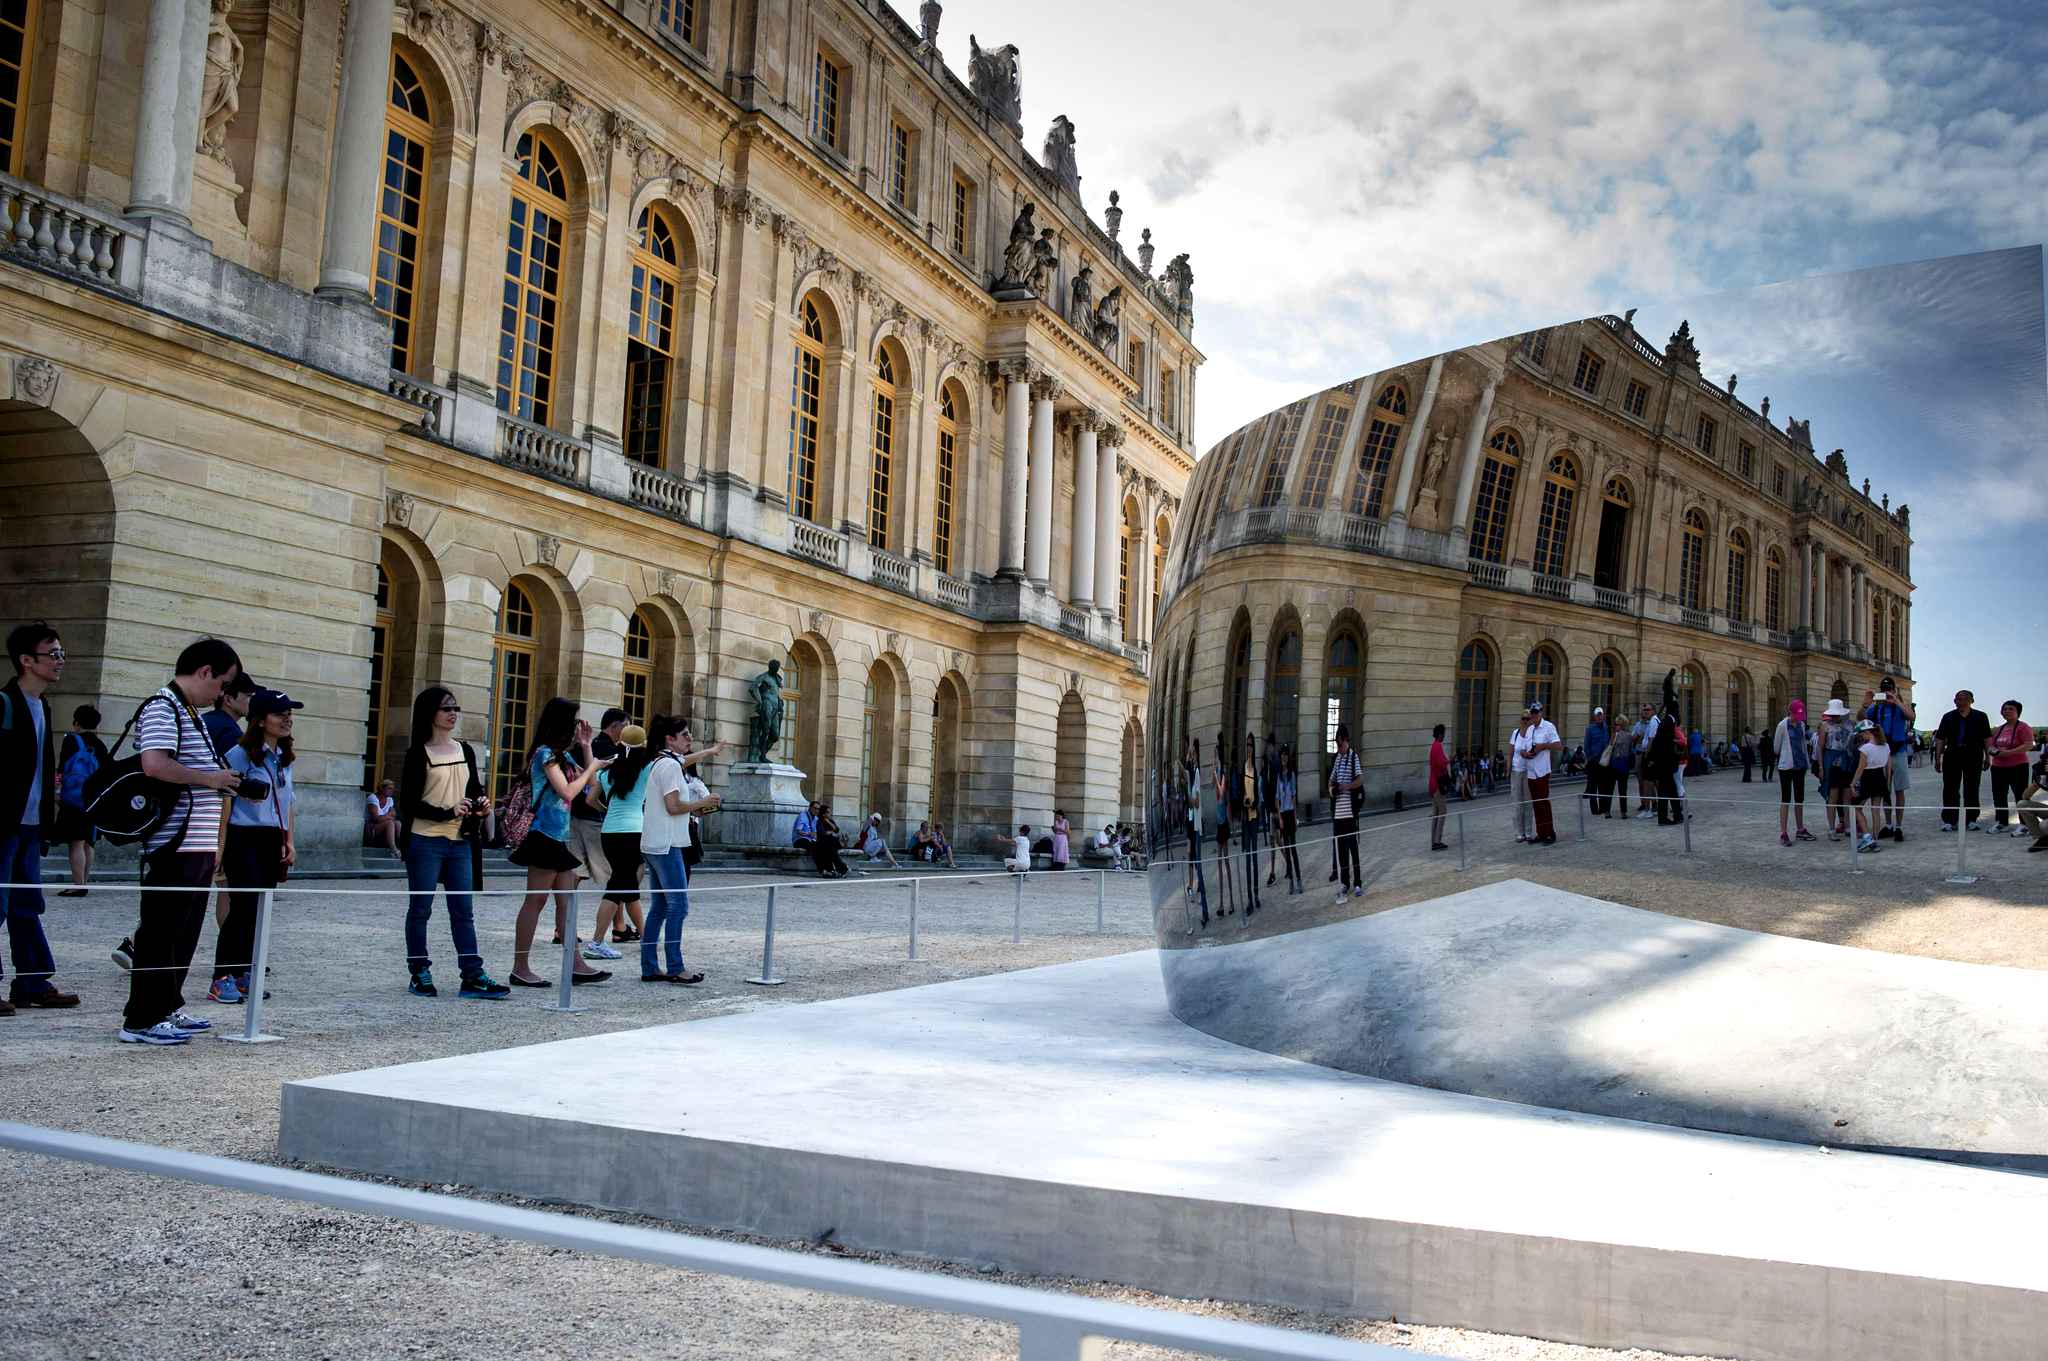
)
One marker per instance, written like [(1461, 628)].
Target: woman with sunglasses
[(441, 809)]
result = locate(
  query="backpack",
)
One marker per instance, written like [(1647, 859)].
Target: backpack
[(78, 767), (515, 819), (125, 804)]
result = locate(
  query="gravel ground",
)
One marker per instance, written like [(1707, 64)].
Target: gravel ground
[(198, 1272)]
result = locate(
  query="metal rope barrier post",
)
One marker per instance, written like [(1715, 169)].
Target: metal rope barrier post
[(252, 1006), (565, 990), (768, 978), (1101, 879), (1582, 818), (1685, 821), (1017, 916), (1461, 841), (914, 887), (1962, 874)]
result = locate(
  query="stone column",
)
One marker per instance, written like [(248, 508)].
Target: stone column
[(347, 254), (1404, 480), (1141, 576), (1038, 538), (1802, 617), (1468, 468), (1016, 380), (1083, 579), (167, 112), (1820, 594), (1107, 512)]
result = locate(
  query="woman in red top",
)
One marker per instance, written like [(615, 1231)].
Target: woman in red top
[(2010, 748)]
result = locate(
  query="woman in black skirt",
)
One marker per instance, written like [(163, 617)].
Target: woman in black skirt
[(559, 739)]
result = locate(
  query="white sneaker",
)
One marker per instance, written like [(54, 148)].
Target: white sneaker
[(187, 1022), (599, 950), (1341, 895), (162, 1033)]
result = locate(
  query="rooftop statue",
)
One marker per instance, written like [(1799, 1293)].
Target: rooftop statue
[(993, 75), (1045, 262), (1081, 300), (220, 93), (1179, 279), (1108, 320), (1059, 153), (928, 21)]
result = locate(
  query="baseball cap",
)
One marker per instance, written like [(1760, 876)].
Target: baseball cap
[(266, 702)]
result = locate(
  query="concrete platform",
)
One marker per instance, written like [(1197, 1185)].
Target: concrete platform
[(1536, 995), (1060, 1121)]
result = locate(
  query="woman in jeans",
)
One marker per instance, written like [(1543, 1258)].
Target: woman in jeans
[(1284, 805), (441, 807), (619, 835), (259, 848), (665, 835)]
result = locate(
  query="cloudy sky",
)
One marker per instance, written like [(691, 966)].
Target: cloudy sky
[(1359, 184)]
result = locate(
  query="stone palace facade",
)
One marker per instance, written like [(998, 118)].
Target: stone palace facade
[(1566, 515), (601, 348)]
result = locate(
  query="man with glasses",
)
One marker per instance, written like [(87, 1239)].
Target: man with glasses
[(28, 810)]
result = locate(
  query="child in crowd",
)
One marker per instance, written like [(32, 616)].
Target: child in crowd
[(1872, 782)]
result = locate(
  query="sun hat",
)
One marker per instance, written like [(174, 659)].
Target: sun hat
[(1836, 709), (632, 735)]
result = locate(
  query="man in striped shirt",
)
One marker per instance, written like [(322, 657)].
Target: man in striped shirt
[(1346, 782), (179, 858)]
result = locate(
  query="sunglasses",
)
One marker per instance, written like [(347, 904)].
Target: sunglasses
[(451, 708), (55, 654)]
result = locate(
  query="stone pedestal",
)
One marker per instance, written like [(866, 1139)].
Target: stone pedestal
[(1426, 515), (761, 801), (216, 196)]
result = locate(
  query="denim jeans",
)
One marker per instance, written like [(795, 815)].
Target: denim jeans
[(668, 903), (21, 862), (447, 862)]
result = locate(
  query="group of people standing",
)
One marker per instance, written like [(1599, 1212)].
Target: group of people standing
[(1254, 789)]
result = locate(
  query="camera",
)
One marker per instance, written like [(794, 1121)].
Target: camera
[(254, 788)]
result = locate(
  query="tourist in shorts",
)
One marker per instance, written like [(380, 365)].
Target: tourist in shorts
[(1838, 741), (380, 817), (1872, 782), (623, 784), (554, 778)]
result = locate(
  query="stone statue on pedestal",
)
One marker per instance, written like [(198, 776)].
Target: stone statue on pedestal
[(1108, 320), (1180, 287), (764, 729), (1045, 263), (1017, 253), (928, 22), (1081, 300), (1427, 516), (220, 93)]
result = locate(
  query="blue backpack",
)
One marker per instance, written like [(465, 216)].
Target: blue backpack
[(78, 767)]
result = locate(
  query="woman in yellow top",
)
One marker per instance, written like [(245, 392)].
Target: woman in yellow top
[(441, 805)]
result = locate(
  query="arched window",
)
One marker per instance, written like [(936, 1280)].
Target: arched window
[(1611, 553), (401, 205), (1554, 517), (1896, 652), (1238, 715), (380, 671), (806, 402), (804, 685), (1376, 454), (1736, 601), (1774, 590), (882, 450), (1283, 705), (1692, 694), (1343, 680), (1496, 498), (878, 741), (1126, 542), (1777, 694), (1331, 427), (1161, 533), (1738, 705), (651, 336), (1876, 625), (516, 657), (1280, 454), (637, 698), (532, 305), (949, 464), (1840, 690), (1540, 680), (1605, 691), (1692, 561), (1472, 710)]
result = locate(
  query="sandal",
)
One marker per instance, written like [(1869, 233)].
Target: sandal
[(626, 937)]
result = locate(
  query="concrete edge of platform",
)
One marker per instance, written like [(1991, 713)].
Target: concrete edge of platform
[(1593, 1293)]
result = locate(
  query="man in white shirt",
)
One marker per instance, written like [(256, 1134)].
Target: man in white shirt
[(1535, 745)]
